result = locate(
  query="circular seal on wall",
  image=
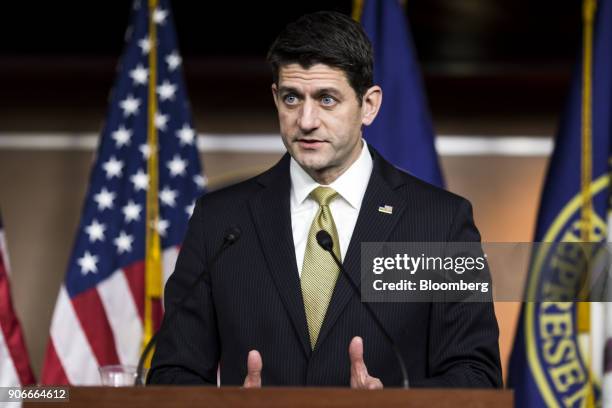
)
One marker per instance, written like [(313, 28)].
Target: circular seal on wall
[(557, 359)]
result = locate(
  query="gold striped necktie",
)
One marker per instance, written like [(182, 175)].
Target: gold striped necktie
[(319, 271)]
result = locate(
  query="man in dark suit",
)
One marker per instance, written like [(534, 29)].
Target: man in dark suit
[(273, 309)]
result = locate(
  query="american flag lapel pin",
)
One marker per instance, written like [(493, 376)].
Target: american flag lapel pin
[(387, 209)]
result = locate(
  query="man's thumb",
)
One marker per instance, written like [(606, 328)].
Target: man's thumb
[(356, 352), (254, 366)]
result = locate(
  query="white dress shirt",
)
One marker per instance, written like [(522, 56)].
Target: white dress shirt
[(351, 187)]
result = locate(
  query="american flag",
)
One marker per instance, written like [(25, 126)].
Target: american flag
[(99, 314), (14, 362)]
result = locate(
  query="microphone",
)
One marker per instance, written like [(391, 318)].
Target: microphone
[(232, 235), (325, 241)]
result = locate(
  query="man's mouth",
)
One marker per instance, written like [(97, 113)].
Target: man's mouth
[(310, 143)]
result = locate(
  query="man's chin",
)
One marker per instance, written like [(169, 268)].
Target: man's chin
[(314, 160), (310, 165)]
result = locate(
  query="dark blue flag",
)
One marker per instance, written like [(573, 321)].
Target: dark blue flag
[(402, 131), (549, 366)]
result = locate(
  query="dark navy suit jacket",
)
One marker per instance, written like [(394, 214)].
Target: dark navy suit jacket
[(251, 298)]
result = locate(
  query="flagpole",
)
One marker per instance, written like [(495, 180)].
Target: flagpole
[(153, 278), (586, 175), (586, 134), (357, 9)]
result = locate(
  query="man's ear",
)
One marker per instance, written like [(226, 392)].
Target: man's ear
[(370, 104), (275, 95)]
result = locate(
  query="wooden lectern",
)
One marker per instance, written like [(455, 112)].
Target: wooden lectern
[(232, 397)]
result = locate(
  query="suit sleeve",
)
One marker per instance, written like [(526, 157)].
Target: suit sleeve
[(463, 336), (187, 350)]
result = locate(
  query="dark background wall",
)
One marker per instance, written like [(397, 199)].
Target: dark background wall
[(497, 57)]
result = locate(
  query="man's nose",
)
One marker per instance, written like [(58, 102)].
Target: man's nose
[(308, 119)]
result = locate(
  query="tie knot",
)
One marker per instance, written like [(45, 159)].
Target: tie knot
[(323, 195)]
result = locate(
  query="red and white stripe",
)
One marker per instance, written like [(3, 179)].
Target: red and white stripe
[(606, 383), (14, 361), (606, 336), (101, 326)]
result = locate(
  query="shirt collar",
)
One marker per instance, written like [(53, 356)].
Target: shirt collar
[(351, 184)]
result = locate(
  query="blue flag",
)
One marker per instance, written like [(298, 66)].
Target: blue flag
[(547, 367), (98, 318), (402, 131)]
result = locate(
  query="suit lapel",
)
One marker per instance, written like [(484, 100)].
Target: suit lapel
[(372, 226), (271, 213)]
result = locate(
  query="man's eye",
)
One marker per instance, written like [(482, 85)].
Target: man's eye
[(290, 99), (328, 101)]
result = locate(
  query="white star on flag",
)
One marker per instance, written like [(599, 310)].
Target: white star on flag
[(145, 45), (173, 60), (122, 137), (200, 181), (186, 135), (161, 121), (140, 180), (130, 105), (145, 149), (123, 242), (177, 166), (88, 263), (95, 230), (166, 90), (159, 16), (161, 226), (113, 167), (168, 196), (139, 75), (104, 199), (189, 209), (131, 211)]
